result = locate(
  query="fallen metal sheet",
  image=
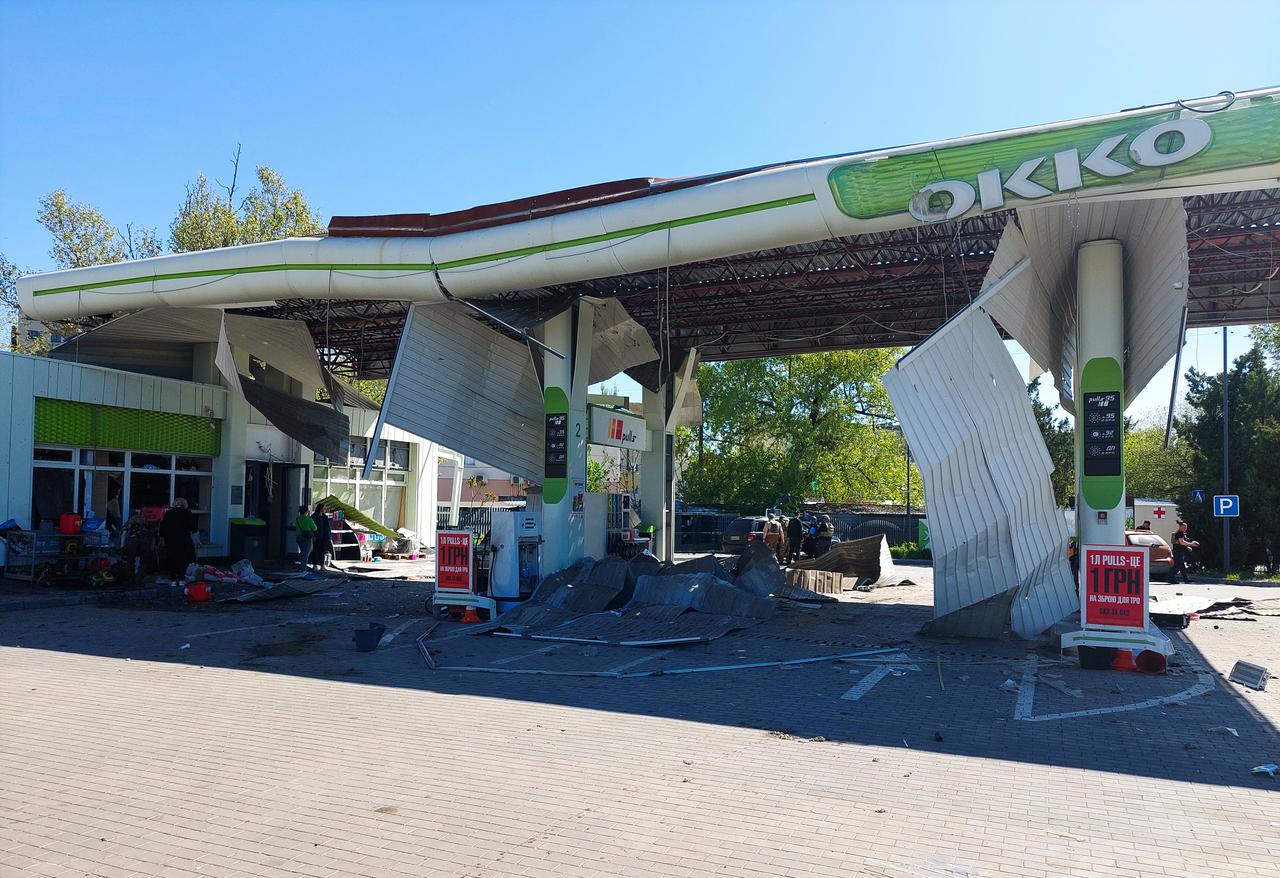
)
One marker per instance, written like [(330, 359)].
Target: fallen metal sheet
[(620, 629), (757, 572), (659, 672), (317, 426), (587, 587), (866, 558), (664, 610)]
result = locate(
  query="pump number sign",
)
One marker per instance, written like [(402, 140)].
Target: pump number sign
[(453, 560), (1115, 588)]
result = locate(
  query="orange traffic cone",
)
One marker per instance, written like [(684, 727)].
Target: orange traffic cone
[(470, 617), (1123, 661)]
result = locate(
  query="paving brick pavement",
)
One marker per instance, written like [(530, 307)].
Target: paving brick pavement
[(267, 746)]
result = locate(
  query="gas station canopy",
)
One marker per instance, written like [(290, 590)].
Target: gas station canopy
[(818, 254)]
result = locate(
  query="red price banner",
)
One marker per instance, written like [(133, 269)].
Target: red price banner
[(1115, 587), (453, 560)]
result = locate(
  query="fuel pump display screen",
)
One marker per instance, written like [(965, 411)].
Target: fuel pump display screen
[(556, 460), (1102, 434)]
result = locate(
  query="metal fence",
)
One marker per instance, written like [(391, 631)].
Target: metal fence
[(476, 518), (700, 531)]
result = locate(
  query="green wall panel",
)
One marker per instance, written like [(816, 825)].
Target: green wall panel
[(62, 422)]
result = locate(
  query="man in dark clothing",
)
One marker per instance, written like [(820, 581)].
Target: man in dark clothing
[(1182, 546), (795, 538), (176, 529), (322, 552)]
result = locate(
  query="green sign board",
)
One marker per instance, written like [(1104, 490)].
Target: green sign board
[(948, 181), (1100, 421), (555, 462)]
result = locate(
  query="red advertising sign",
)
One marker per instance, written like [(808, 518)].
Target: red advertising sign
[(1116, 584), (453, 560)]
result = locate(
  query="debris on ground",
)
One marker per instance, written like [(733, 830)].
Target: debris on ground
[(1226, 730), (1008, 686), (1270, 769), (865, 563), (1249, 674)]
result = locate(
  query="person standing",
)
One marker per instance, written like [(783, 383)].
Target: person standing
[(176, 529), (773, 534), (305, 527), (1182, 548), (795, 538), (322, 552)]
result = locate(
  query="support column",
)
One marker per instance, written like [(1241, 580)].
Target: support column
[(655, 473), (228, 467), (565, 404), (1099, 393)]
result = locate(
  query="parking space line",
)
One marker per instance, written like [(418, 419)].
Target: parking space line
[(515, 658), (300, 620), (625, 666), (396, 632)]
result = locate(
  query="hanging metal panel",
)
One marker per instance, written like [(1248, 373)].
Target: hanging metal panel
[(992, 517), (471, 389)]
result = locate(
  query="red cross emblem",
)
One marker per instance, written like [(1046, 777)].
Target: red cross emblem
[(1158, 512)]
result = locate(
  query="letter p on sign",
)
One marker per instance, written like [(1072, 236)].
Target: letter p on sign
[(1226, 505)]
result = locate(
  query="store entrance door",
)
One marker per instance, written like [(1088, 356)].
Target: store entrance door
[(273, 492)]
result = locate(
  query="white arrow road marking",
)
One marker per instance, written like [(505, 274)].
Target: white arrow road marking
[(396, 632), (867, 683)]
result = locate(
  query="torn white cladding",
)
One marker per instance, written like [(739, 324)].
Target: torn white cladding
[(461, 384), (286, 345), (1037, 306), (998, 537), (618, 342)]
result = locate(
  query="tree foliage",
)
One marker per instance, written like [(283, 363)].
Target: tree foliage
[(1060, 440), (1253, 387), (1267, 337), (82, 236), (772, 427), (597, 478), (270, 211), (1151, 470)]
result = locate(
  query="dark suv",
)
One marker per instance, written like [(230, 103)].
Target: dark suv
[(740, 532)]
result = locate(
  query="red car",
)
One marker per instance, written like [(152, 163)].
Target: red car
[(1161, 555)]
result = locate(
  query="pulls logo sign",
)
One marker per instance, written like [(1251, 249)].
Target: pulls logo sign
[(617, 429)]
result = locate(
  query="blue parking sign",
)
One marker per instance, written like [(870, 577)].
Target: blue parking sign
[(1226, 505)]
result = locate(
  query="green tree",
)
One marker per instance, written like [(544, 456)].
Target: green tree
[(270, 211), (1254, 390), (772, 427), (1151, 470), (1060, 440), (82, 236), (596, 476), (1267, 337)]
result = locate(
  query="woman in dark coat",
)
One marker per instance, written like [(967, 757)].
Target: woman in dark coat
[(322, 549), (176, 529)]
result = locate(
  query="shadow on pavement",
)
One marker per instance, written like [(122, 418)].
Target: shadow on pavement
[(951, 697)]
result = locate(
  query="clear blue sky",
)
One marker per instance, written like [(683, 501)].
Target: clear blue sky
[(383, 107)]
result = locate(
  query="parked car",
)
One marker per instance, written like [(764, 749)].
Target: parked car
[(740, 532), (1161, 555)]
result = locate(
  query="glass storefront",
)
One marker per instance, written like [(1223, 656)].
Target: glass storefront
[(86, 480), (382, 497)]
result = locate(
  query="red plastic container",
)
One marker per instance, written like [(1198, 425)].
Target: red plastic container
[(199, 591), (69, 523)]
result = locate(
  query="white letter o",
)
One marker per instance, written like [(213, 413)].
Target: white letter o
[(1196, 135), (962, 198)]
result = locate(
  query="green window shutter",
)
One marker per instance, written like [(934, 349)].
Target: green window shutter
[(62, 422)]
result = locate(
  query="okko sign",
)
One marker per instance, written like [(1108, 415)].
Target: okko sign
[(453, 561), (1117, 580)]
